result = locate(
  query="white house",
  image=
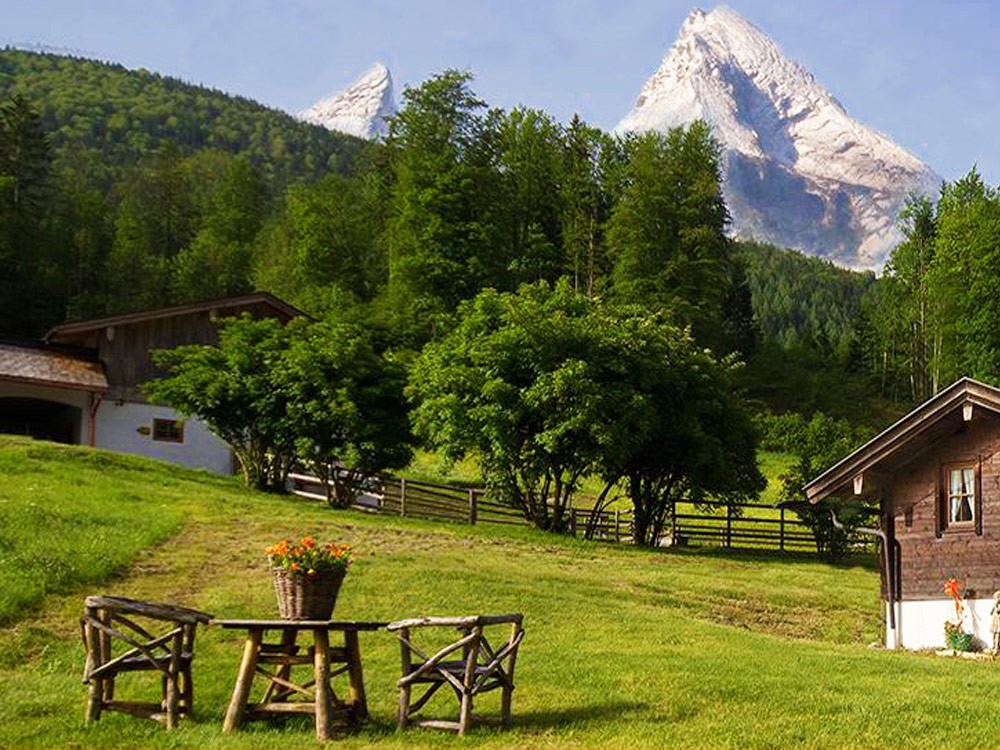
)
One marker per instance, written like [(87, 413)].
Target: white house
[(82, 385)]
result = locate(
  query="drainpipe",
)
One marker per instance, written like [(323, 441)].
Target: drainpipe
[(95, 401), (890, 581)]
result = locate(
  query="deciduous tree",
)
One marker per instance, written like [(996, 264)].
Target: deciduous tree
[(347, 406)]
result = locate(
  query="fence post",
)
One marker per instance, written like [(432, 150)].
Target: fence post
[(402, 496), (472, 507), (781, 527), (572, 522), (729, 526), (618, 536), (673, 524)]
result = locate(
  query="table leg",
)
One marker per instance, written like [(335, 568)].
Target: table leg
[(321, 664), (244, 681), (356, 689)]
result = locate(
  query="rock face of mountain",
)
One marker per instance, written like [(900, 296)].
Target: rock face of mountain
[(361, 109), (799, 172)]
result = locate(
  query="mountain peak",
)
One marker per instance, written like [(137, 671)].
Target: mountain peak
[(799, 172), (361, 109)]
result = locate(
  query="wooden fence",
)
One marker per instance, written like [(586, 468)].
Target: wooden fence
[(750, 526)]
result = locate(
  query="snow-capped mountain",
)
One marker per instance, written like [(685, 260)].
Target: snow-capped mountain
[(799, 172), (361, 109)]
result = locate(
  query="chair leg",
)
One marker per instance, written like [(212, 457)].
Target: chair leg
[(105, 651), (187, 691), (403, 717), (94, 700), (506, 694), (95, 687), (465, 715), (172, 687)]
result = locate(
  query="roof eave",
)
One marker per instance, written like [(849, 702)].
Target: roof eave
[(900, 432), (85, 326), (92, 388)]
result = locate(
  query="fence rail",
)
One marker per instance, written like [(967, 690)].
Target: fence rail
[(749, 526)]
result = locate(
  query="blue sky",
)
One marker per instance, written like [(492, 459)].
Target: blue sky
[(924, 72)]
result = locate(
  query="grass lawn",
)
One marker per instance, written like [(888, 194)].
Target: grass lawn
[(623, 648)]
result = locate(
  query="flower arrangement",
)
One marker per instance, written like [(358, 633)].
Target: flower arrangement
[(955, 636), (308, 557), (955, 588)]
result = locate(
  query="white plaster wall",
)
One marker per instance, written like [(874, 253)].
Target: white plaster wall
[(79, 399), (920, 623), (119, 428)]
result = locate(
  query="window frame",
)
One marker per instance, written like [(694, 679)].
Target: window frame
[(174, 427), (945, 496)]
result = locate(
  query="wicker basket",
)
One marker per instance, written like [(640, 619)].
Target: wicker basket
[(302, 597)]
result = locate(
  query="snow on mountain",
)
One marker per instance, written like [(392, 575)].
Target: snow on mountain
[(361, 109), (799, 172)]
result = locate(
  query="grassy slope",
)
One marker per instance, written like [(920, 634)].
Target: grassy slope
[(624, 648)]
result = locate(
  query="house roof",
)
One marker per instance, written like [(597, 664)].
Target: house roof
[(47, 366), (905, 439), (69, 330)]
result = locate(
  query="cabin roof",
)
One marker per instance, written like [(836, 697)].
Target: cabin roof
[(47, 366), (902, 441), (69, 331)]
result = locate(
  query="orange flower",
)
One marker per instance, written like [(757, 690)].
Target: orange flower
[(952, 587), (309, 556)]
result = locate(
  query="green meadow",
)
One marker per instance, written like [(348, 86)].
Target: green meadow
[(623, 648)]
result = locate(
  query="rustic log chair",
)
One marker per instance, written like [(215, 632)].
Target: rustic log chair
[(114, 621), (480, 668)]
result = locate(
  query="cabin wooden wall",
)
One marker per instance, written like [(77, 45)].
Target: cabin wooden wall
[(926, 560), (126, 352)]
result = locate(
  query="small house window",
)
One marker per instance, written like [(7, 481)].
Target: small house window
[(961, 495), (168, 430)]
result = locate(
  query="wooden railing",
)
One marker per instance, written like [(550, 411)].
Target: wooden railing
[(748, 526)]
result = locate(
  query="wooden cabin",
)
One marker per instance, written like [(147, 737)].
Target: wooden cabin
[(83, 383), (935, 477)]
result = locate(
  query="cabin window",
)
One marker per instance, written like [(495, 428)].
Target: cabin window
[(168, 430), (961, 495)]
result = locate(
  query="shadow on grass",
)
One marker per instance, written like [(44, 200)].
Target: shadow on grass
[(582, 714), (528, 721)]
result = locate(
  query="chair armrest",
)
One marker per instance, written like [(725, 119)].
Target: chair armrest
[(469, 621), (155, 610)]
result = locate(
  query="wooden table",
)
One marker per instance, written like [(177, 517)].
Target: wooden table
[(283, 653)]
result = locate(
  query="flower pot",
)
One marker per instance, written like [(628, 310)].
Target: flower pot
[(307, 597), (963, 641), (957, 640)]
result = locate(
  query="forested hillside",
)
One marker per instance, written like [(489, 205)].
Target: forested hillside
[(122, 190), (935, 317), (803, 302), (100, 116), (127, 189)]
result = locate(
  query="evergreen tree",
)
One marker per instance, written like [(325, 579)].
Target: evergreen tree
[(585, 204), (439, 250), (667, 231), (905, 314), (527, 203), (30, 277)]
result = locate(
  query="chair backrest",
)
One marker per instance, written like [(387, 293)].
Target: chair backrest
[(113, 619), (481, 666)]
